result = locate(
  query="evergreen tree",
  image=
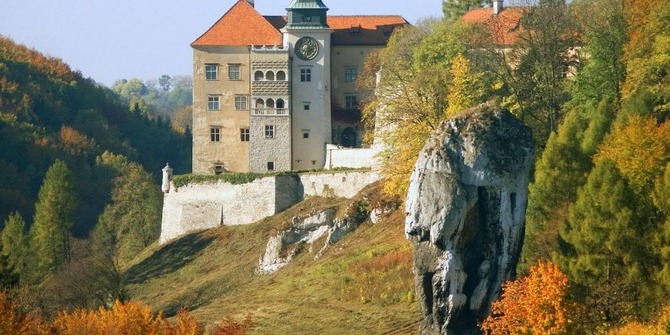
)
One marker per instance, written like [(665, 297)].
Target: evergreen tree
[(133, 217), (561, 170), (14, 242), (602, 230), (454, 9), (54, 216)]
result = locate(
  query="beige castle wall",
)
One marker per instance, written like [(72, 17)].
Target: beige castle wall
[(230, 151), (343, 57), (339, 184), (204, 206)]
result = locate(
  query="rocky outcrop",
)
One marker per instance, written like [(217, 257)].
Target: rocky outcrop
[(318, 229), (465, 216)]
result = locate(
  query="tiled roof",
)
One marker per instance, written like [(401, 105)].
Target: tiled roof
[(228, 29), (243, 25), (505, 27), (364, 30), (355, 29)]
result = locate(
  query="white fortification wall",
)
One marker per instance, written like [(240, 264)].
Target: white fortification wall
[(337, 157), (208, 205)]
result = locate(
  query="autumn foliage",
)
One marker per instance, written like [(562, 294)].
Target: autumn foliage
[(534, 304), (130, 318)]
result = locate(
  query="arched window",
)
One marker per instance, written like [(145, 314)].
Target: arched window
[(281, 76), (270, 103), (280, 104), (270, 75), (260, 104), (258, 76)]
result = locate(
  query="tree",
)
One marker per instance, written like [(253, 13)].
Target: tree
[(640, 149), (411, 101), (165, 82), (646, 51), (561, 170), (14, 243), (132, 221), (602, 231), (454, 9), (604, 32), (54, 216), (466, 88), (535, 304), (532, 66)]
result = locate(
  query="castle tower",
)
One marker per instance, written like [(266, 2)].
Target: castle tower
[(309, 39)]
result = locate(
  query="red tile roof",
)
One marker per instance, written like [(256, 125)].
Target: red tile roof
[(227, 30), (243, 25), (355, 29), (505, 27)]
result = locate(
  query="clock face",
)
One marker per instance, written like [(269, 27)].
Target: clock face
[(306, 48)]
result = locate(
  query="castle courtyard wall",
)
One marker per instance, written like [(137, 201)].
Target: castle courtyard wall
[(202, 206)]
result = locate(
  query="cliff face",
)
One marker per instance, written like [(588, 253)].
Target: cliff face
[(465, 216)]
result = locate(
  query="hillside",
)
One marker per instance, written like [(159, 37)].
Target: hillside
[(361, 285), (49, 112)]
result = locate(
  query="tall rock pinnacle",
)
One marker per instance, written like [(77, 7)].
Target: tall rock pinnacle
[(465, 216)]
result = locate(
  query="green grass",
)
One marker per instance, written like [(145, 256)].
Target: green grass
[(361, 285)]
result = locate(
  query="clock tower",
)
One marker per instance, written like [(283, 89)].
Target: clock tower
[(308, 37)]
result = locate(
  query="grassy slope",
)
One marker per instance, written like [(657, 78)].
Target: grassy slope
[(362, 285)]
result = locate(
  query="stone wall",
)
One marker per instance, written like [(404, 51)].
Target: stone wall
[(208, 205), (349, 157), (340, 184)]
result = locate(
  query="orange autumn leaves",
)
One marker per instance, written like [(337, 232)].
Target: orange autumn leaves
[(128, 318), (534, 304)]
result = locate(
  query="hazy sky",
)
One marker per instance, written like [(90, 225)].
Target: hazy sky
[(113, 39)]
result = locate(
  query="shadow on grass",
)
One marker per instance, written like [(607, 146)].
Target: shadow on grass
[(170, 258)]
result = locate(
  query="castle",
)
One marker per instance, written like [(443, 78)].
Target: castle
[(271, 93)]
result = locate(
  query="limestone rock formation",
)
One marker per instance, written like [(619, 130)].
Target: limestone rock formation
[(465, 216)]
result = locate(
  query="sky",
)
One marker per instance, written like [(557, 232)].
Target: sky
[(109, 40)]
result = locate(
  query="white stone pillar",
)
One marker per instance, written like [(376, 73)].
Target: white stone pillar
[(167, 178)]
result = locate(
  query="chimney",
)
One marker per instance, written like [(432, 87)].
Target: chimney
[(251, 2), (497, 7)]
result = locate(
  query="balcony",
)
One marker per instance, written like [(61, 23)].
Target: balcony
[(269, 112)]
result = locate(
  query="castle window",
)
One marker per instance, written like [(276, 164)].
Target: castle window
[(280, 104), (211, 71), (244, 134), (305, 75), (213, 103), (258, 76), (260, 103), (234, 71), (269, 131), (306, 105), (351, 102), (215, 134), (270, 103), (350, 74), (270, 76), (305, 133), (281, 76), (240, 102), (271, 166)]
